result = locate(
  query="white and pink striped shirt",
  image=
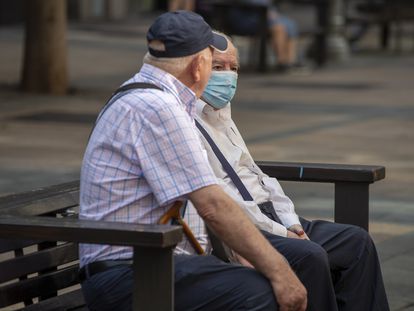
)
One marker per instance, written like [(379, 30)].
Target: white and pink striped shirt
[(143, 155)]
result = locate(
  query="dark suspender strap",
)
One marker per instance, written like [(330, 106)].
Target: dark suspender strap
[(136, 85), (219, 249), (266, 207), (226, 165), (121, 92)]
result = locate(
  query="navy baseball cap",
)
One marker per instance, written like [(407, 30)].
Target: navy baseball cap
[(183, 33)]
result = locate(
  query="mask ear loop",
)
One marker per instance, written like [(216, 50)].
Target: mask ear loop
[(174, 213)]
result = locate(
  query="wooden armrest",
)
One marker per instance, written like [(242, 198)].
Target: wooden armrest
[(153, 249), (87, 231), (319, 172), (351, 184)]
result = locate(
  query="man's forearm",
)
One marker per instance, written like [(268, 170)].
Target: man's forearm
[(234, 228)]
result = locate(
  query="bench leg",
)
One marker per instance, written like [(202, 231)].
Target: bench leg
[(352, 203), (321, 46), (153, 279), (263, 53), (385, 35)]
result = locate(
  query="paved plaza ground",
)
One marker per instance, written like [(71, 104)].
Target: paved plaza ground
[(360, 112)]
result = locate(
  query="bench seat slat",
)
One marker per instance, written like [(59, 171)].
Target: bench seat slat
[(73, 301), (38, 261), (42, 285)]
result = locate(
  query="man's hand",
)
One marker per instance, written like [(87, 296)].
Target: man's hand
[(289, 291), (297, 232)]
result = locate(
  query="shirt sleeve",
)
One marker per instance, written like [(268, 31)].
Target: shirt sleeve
[(283, 206), (170, 154), (253, 212)]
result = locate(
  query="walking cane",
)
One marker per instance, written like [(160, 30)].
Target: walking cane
[(174, 213)]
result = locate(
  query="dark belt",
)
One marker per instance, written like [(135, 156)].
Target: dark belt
[(93, 268)]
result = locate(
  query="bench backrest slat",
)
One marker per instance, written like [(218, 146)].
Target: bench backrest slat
[(38, 256), (42, 201), (46, 206), (11, 245), (38, 261), (22, 198), (43, 285)]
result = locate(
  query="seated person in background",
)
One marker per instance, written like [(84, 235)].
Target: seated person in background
[(283, 32), (343, 256)]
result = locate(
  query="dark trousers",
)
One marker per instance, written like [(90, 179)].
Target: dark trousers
[(339, 268), (351, 257), (201, 283)]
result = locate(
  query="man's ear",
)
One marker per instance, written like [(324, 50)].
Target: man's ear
[(196, 67)]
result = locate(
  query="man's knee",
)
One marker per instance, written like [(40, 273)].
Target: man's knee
[(359, 234), (204, 280), (299, 252), (361, 241), (315, 255), (258, 293)]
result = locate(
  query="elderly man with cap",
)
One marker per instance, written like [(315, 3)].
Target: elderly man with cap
[(143, 155)]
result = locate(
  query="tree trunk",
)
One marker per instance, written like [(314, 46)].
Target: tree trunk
[(45, 54)]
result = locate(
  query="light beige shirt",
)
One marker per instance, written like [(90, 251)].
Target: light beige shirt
[(224, 132)]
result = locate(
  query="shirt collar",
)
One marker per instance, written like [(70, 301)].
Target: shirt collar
[(205, 111), (171, 84)]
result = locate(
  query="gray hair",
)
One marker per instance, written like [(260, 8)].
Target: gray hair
[(229, 40), (173, 65)]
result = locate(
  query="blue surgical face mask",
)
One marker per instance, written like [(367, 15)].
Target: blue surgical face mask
[(220, 88)]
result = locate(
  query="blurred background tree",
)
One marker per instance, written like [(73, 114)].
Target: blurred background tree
[(45, 68)]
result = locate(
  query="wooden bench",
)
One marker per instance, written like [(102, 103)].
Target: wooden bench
[(39, 233), (38, 267)]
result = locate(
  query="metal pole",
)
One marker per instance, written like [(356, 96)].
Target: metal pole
[(336, 45)]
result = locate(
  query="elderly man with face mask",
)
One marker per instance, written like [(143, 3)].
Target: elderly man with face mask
[(143, 155), (337, 263)]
